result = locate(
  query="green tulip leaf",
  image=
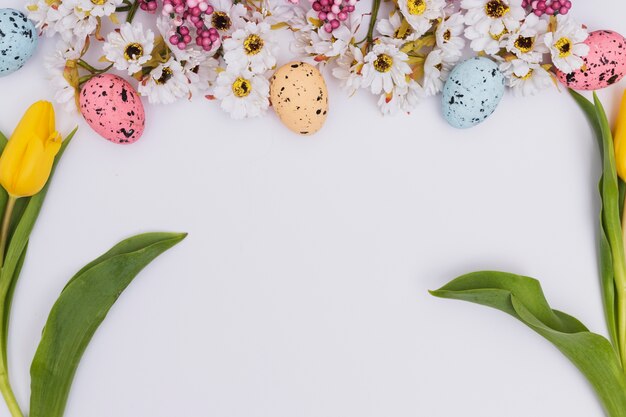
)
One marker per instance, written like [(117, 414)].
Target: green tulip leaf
[(75, 317), (523, 298)]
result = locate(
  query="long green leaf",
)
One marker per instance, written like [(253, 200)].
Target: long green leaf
[(81, 307), (523, 298), (608, 240)]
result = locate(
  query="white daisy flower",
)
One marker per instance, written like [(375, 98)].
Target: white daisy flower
[(165, 84), (39, 12), (99, 8), (71, 22), (414, 95), (494, 16), (348, 69), (449, 35), (64, 52), (242, 93), (318, 42), (201, 76), (482, 40), (527, 42), (281, 14), (401, 99), (251, 47), (421, 13), (129, 48), (64, 92), (393, 31), (226, 17), (385, 67), (526, 79), (436, 71), (567, 44)]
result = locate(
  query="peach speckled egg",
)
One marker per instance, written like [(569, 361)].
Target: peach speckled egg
[(299, 97), (604, 65), (113, 109)]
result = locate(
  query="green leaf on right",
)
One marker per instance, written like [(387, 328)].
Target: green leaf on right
[(81, 307), (523, 298)]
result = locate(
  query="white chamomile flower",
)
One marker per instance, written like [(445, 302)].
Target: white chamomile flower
[(385, 67), (242, 93), (64, 52), (421, 13), (165, 84), (226, 17), (393, 30), (436, 70), (401, 99), (494, 16), (71, 22), (526, 79), (39, 12), (201, 76), (482, 40), (449, 35), (251, 48), (333, 44), (64, 92), (527, 42), (283, 14), (129, 48), (567, 44), (99, 8), (348, 69)]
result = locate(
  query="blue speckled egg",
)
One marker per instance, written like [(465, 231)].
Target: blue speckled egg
[(472, 92), (18, 40)]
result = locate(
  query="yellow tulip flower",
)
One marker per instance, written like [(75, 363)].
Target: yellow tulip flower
[(619, 140), (27, 159)]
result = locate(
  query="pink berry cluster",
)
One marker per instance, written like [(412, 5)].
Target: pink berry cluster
[(333, 12), (149, 6), (548, 7), (190, 15)]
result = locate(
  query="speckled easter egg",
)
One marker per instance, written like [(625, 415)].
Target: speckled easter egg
[(113, 109), (604, 65), (472, 92), (299, 97), (18, 40)]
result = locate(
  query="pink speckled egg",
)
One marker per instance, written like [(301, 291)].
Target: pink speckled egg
[(605, 65), (113, 109)]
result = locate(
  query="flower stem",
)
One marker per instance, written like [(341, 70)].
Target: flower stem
[(9, 397), (372, 25), (88, 77), (6, 222), (133, 10), (86, 66)]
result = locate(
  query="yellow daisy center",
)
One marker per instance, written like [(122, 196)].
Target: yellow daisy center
[(496, 9), (416, 7), (527, 76), (383, 63), (447, 35), (166, 75), (564, 46), (221, 21), (253, 44), (525, 44), (498, 36), (241, 87), (133, 51), (98, 2)]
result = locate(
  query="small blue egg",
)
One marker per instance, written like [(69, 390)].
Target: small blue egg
[(18, 40), (472, 92)]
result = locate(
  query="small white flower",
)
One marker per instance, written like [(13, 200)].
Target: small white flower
[(567, 44), (201, 76), (242, 93), (64, 52), (436, 71), (527, 42), (39, 12), (71, 22), (64, 93), (482, 40), (226, 17), (449, 35), (283, 13), (99, 8), (421, 13), (494, 16), (251, 48), (393, 31), (385, 67), (526, 79), (316, 41), (401, 99), (165, 84), (348, 69), (129, 48)]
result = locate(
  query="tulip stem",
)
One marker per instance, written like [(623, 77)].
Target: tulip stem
[(9, 396), (6, 222)]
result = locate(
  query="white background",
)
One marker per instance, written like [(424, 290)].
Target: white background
[(301, 289)]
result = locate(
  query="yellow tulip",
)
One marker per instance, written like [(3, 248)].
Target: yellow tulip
[(619, 139), (27, 159)]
